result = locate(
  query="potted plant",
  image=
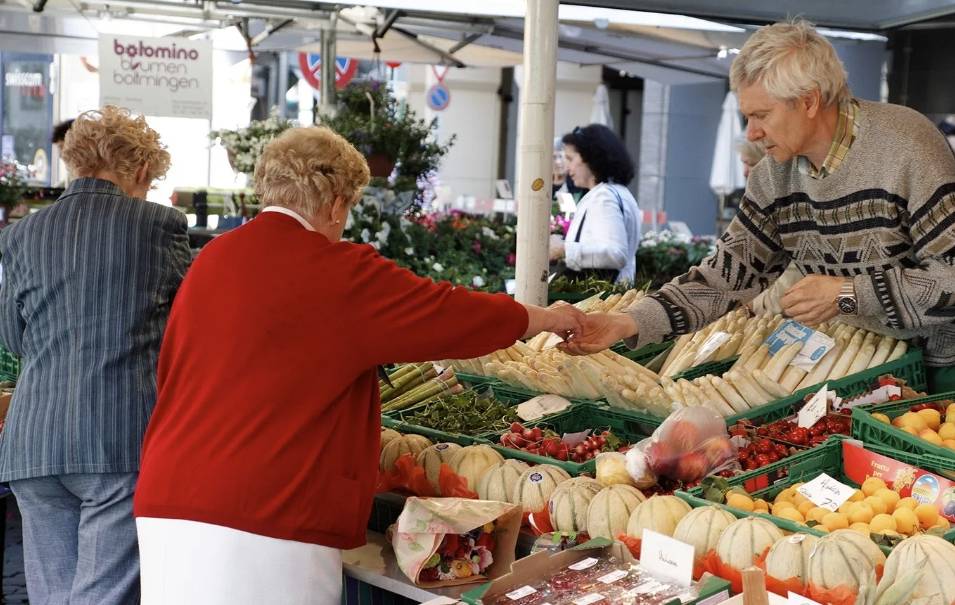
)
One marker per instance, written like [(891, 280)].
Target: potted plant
[(12, 188), (401, 149), (245, 145)]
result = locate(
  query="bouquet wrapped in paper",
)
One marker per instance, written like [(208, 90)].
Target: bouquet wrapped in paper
[(450, 541)]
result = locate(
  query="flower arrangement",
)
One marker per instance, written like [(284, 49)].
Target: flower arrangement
[(461, 556), (663, 255), (468, 250), (389, 134), (245, 145), (12, 187)]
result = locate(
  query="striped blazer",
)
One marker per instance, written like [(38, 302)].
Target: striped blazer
[(87, 287)]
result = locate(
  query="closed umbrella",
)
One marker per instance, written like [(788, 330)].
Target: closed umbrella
[(726, 175), (600, 112)]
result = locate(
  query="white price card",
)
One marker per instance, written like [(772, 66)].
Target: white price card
[(814, 410), (815, 344), (521, 592), (589, 599), (613, 576), (826, 492), (710, 345), (583, 564), (667, 558), (795, 599)]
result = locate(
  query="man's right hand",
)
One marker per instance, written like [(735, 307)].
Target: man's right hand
[(600, 331)]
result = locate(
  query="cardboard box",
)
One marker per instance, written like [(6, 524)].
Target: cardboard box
[(543, 564)]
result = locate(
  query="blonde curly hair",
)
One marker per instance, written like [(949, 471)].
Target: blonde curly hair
[(112, 139), (307, 167)]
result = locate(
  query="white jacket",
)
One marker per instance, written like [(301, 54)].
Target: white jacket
[(605, 232)]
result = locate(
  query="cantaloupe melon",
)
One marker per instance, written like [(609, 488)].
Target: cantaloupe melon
[(788, 559), (387, 435), (933, 555), (406, 444), (610, 510), (568, 504), (500, 482), (431, 459), (837, 565), (865, 544), (659, 513), (744, 540), (472, 461), (536, 485), (702, 528)]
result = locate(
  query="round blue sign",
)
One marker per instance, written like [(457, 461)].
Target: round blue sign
[(438, 97)]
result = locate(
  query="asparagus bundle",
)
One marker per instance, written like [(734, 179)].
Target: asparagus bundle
[(425, 384)]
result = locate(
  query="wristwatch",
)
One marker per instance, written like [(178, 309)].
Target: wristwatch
[(846, 301)]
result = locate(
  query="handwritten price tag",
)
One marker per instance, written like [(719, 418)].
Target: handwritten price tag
[(826, 492), (815, 409), (667, 558)]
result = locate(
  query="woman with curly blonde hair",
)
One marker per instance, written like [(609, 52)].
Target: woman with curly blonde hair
[(87, 286), (260, 461)]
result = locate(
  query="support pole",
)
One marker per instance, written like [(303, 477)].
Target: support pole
[(535, 144), (327, 73)]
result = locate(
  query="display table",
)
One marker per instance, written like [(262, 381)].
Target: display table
[(374, 565)]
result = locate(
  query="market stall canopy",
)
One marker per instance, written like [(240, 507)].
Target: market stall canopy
[(852, 14)]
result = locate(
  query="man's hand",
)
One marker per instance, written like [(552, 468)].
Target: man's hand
[(813, 299), (556, 247), (600, 331)]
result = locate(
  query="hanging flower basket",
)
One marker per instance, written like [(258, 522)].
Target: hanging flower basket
[(380, 165)]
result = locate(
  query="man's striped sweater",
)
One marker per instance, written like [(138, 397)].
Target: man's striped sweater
[(884, 218)]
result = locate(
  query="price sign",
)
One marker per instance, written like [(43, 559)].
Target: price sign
[(815, 344), (815, 409), (826, 492), (795, 599), (667, 558)]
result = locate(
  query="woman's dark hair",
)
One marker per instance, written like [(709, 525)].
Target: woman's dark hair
[(60, 130), (603, 152)]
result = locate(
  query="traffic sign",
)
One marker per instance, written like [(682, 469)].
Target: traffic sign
[(311, 65), (438, 97)]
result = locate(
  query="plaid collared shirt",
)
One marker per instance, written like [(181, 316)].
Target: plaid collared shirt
[(846, 130)]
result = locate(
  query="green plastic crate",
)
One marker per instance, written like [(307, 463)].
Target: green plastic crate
[(713, 368), (475, 379), (908, 367), (9, 365), (580, 417), (871, 431)]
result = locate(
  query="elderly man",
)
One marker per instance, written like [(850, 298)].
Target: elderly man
[(860, 196)]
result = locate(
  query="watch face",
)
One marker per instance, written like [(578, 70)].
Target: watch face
[(847, 305)]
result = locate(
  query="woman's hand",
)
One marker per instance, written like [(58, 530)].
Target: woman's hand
[(562, 319), (599, 332)]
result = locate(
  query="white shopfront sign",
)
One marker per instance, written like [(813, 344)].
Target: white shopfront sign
[(156, 76)]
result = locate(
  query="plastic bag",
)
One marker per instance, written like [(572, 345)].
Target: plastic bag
[(690, 444)]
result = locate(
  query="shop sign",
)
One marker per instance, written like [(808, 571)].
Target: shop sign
[(156, 76)]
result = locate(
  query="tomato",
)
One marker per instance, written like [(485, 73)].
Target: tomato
[(762, 460), (764, 446), (799, 436)]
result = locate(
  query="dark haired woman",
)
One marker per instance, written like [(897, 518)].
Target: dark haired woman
[(604, 234)]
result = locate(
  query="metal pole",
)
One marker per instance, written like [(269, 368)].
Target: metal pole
[(535, 142), (327, 73)]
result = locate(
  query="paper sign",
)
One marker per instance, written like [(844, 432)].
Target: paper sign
[(815, 409), (815, 344), (795, 599), (710, 345), (885, 394), (521, 592), (589, 599), (567, 203), (667, 558), (614, 576), (503, 187), (584, 564), (156, 76), (826, 492)]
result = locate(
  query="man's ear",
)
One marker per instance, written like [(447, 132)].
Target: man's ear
[(142, 174), (812, 102)]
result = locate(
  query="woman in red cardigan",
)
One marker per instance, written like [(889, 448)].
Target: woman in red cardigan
[(260, 458)]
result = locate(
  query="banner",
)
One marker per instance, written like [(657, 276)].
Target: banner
[(156, 76)]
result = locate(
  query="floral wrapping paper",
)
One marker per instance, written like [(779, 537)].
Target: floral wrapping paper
[(424, 522)]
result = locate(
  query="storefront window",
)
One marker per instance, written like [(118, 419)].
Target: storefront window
[(27, 114)]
